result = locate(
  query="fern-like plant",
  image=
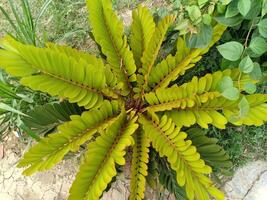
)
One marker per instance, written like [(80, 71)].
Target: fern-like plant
[(131, 100)]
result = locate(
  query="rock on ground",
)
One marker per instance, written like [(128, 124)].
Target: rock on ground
[(248, 183)]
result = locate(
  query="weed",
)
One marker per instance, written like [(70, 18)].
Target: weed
[(22, 22), (243, 144)]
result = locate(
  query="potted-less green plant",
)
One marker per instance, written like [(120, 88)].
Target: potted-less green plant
[(131, 100)]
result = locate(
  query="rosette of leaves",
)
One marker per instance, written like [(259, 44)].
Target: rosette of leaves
[(131, 100)]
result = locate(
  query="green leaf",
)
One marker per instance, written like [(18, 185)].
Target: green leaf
[(244, 6), (231, 21), (250, 88), (220, 8), (231, 93), (42, 10), (6, 91), (227, 64), (246, 65), (243, 107), (44, 118), (264, 8), (262, 25), (256, 73), (8, 108), (206, 19), (231, 50), (167, 177), (211, 9), (201, 39), (255, 11), (232, 9), (225, 2), (193, 12), (202, 2), (182, 24), (210, 151), (258, 45), (226, 83)]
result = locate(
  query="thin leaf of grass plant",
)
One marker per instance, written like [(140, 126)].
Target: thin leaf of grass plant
[(10, 21), (20, 17), (28, 20), (8, 108), (5, 91), (24, 25), (42, 10)]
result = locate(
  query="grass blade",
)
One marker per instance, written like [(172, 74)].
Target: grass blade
[(6, 91), (8, 108), (43, 9), (9, 19), (28, 21)]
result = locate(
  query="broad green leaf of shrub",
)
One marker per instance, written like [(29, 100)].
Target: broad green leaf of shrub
[(264, 8), (230, 21), (201, 39), (182, 24), (225, 2), (255, 10), (231, 93), (226, 83), (232, 9), (206, 19), (244, 6), (202, 2), (193, 12), (246, 65), (250, 88), (220, 8), (256, 73), (258, 45), (262, 25), (243, 107), (231, 50)]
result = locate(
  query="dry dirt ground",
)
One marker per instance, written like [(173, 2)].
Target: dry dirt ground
[(248, 183), (51, 185)]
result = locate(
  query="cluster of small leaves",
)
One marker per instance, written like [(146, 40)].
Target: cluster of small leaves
[(194, 19), (23, 24), (249, 17)]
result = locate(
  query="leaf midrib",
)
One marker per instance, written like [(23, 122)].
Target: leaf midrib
[(106, 158), (169, 141)]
